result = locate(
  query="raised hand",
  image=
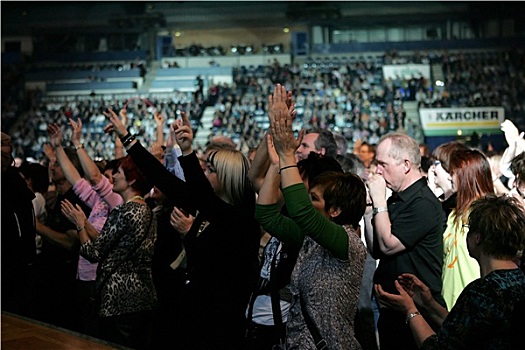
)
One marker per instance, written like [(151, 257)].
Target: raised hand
[(184, 133), (115, 125), (511, 131), (55, 135), (281, 120), (159, 119), (76, 131), (171, 140), (49, 151), (123, 113), (272, 153), (280, 100)]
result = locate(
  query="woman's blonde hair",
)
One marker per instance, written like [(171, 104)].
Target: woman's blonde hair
[(232, 167)]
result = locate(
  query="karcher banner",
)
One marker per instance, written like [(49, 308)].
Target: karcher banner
[(457, 121), (406, 71)]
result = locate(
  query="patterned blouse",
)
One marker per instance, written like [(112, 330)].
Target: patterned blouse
[(486, 315), (126, 244), (327, 274)]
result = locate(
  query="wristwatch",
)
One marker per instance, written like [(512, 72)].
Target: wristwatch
[(378, 210)]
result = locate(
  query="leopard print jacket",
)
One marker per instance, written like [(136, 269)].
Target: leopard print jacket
[(126, 244)]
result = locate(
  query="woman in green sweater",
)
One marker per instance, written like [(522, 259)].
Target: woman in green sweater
[(327, 276)]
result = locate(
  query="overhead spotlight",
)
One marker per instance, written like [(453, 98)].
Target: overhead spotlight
[(249, 49), (178, 34), (286, 30), (234, 49)]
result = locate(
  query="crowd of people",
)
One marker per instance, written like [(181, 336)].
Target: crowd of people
[(311, 219), (300, 244), (350, 97)]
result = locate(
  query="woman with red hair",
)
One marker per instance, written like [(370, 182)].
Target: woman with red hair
[(124, 251), (471, 178)]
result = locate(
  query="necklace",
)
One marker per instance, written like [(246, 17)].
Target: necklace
[(135, 197)]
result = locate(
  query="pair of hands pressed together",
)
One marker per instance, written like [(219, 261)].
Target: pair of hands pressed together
[(281, 140), (412, 292)]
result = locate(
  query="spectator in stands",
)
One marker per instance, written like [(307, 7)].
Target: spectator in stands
[(124, 251), (353, 164), (489, 311), (18, 237), (517, 166), (264, 329), (367, 153), (222, 245), (59, 258), (424, 150), (365, 327), (315, 225), (342, 143), (471, 179), (516, 146), (37, 179), (86, 270), (498, 178), (407, 230), (320, 141), (442, 178)]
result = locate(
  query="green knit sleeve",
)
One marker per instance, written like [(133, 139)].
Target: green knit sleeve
[(279, 225), (312, 223)]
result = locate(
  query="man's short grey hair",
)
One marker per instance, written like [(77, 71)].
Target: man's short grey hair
[(403, 147), (325, 140)]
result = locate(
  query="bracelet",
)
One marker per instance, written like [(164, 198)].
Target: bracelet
[(378, 210), (287, 167), (79, 147), (411, 316), (128, 141), (80, 228), (125, 136)]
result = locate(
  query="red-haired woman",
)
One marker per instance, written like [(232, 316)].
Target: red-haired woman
[(124, 250), (222, 244), (472, 179)]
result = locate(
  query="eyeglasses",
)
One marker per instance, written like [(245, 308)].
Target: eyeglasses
[(437, 162), (210, 168)]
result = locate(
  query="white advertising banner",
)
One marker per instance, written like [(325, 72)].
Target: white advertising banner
[(406, 71), (457, 121)]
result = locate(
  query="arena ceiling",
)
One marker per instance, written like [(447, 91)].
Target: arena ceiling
[(30, 17)]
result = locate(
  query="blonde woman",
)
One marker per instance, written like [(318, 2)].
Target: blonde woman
[(222, 245)]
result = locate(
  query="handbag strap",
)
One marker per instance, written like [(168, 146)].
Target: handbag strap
[(320, 343)]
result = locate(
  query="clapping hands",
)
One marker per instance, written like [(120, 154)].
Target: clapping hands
[(281, 117)]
